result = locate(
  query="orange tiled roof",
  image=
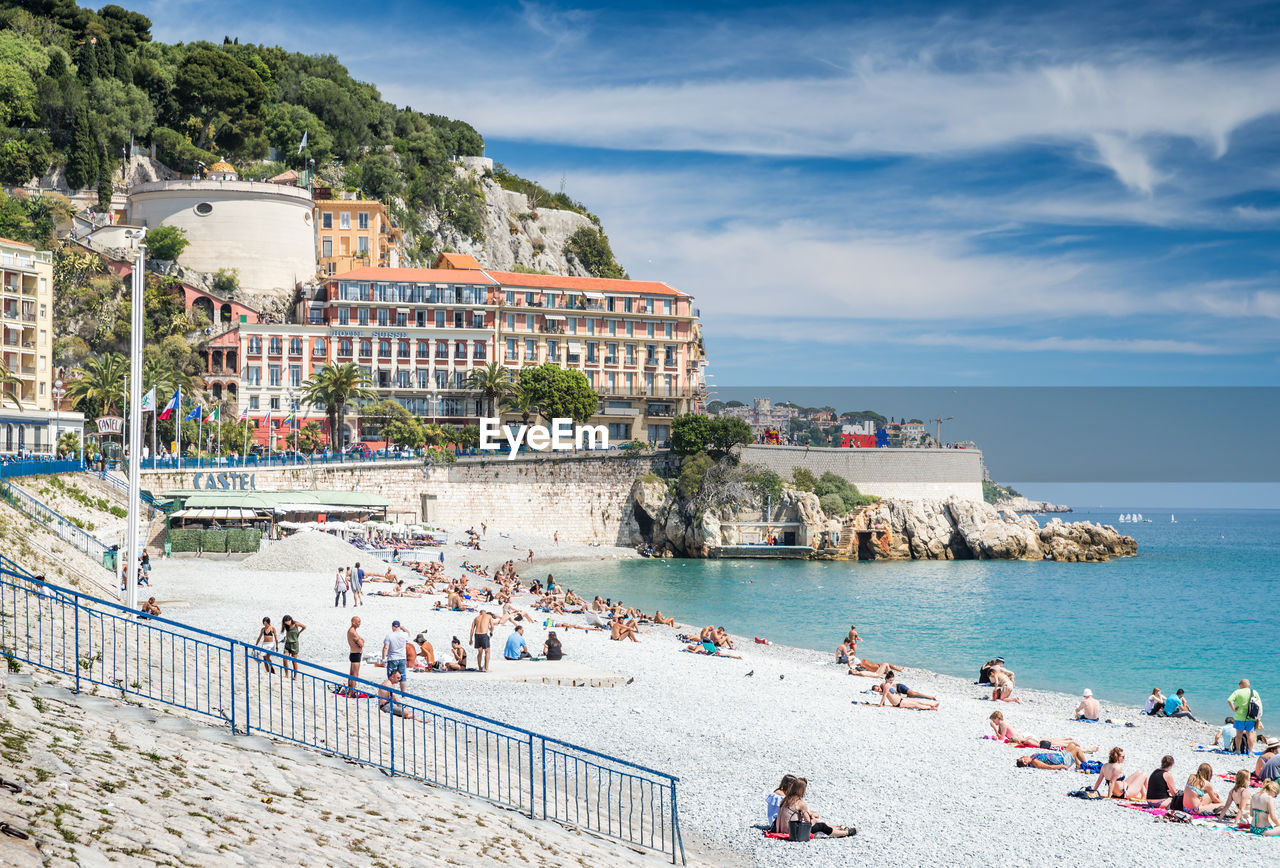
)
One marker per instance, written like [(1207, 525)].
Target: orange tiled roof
[(457, 260), (416, 275), (593, 284), (17, 243)]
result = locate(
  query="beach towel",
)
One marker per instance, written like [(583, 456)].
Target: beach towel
[(782, 836), (717, 654), (350, 694), (1204, 748), (1107, 722)]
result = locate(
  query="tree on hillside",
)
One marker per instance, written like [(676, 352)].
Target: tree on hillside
[(82, 165), (690, 433), (590, 246), (559, 393), (332, 387), (726, 433), (222, 96), (166, 242)]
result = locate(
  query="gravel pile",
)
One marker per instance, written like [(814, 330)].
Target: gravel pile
[(310, 551)]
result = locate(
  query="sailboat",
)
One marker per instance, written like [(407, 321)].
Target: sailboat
[(1172, 520)]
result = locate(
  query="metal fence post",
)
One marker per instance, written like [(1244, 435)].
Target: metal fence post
[(531, 795), (544, 776), (76, 603), (391, 707), (231, 653)]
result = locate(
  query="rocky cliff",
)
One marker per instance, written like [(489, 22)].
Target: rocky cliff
[(953, 529), (516, 235), (1022, 505)]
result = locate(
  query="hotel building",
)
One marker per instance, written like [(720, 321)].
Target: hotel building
[(418, 333)]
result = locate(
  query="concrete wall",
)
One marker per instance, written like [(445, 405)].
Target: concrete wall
[(581, 498), (906, 474), (263, 230)]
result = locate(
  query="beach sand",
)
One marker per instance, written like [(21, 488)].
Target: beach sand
[(919, 786)]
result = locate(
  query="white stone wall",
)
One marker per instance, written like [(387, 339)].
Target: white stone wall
[(905, 474), (264, 231)]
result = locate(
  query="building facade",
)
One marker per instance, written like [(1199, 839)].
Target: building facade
[(31, 416), (419, 333), (353, 234)]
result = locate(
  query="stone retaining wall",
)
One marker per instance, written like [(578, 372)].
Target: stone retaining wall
[(903, 474)]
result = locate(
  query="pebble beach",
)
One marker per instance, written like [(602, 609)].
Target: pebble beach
[(918, 786)]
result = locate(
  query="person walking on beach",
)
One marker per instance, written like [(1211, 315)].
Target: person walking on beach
[(355, 646), (481, 628), (393, 653), (340, 588), (268, 635), (1247, 706), (292, 642), (356, 582)]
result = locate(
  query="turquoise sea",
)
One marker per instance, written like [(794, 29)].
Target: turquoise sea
[(1196, 609)]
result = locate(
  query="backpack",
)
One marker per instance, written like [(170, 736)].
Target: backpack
[(1254, 710)]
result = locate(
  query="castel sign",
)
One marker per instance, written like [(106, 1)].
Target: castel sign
[(562, 436), (225, 481)]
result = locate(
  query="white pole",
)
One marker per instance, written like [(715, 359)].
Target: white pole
[(177, 428), (135, 429)]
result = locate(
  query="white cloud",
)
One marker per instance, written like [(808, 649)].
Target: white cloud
[(1127, 160)]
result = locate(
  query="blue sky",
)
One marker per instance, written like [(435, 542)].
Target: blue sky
[(879, 193)]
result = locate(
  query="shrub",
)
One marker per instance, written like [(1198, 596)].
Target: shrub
[(692, 472), (166, 242), (803, 479), (833, 505)]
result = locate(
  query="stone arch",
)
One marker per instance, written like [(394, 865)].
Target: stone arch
[(224, 314), (217, 391), (204, 305)]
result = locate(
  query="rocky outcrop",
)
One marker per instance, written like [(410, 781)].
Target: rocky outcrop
[(958, 529), (515, 233), (954, 529), (1022, 505)]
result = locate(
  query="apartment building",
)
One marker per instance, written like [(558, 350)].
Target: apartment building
[(418, 334), (353, 233), (639, 343), (29, 411)]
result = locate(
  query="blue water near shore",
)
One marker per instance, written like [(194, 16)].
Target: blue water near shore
[(1198, 608)]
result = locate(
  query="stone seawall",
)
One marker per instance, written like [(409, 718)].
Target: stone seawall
[(581, 498), (900, 474)]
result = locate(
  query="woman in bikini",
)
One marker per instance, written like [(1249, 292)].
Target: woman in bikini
[(1235, 805), (1198, 796), (1008, 733), (1262, 808), (898, 700), (459, 657), (267, 638), (1112, 774)]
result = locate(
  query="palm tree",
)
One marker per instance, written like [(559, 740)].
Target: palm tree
[(332, 387), (493, 381), (519, 401), (161, 375), (99, 385), (10, 387)]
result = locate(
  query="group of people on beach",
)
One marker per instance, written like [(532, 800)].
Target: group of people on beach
[(1249, 804), (786, 804)]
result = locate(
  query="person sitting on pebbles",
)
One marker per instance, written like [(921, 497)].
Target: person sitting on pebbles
[(891, 683)]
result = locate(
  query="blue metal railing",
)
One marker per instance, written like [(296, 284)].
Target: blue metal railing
[(14, 469), (253, 689), (59, 524), (122, 485)]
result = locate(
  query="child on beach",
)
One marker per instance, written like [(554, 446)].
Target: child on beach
[(774, 800)]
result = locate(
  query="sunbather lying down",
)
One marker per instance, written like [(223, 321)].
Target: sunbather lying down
[(710, 650), (1058, 754)]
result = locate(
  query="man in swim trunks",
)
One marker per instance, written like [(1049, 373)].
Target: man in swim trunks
[(1089, 708), (385, 700), (355, 647), (481, 628), (1239, 702), (1047, 760)]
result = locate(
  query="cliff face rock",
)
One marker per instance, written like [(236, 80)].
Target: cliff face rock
[(952, 529), (962, 529), (1022, 505), (515, 234)]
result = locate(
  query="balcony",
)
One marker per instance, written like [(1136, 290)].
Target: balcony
[(620, 411)]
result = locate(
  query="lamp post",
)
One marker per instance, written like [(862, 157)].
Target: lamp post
[(58, 392), (135, 420)]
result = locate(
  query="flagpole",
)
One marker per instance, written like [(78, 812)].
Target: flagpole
[(155, 445), (199, 436), (245, 456), (135, 427), (177, 424)]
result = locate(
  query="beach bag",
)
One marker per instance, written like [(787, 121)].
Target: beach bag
[(1254, 711), (801, 830), (1091, 767), (1086, 793)]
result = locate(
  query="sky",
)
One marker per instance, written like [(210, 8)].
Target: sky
[(879, 194)]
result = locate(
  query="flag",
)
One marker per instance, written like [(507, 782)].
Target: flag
[(213, 416), (244, 415), (266, 423), (196, 412), (303, 143), (172, 405), (149, 401), (293, 415)]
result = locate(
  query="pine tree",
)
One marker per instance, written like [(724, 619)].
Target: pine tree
[(87, 62), (107, 171), (123, 69), (82, 165)]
